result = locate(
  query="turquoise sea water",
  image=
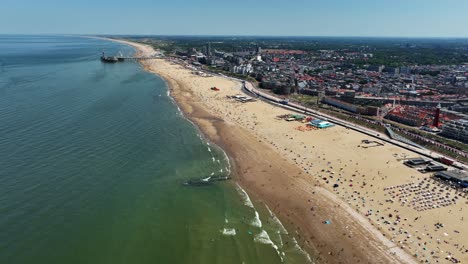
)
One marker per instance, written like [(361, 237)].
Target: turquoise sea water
[(92, 161)]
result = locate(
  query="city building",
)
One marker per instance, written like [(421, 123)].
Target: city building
[(207, 49), (243, 69), (456, 129)]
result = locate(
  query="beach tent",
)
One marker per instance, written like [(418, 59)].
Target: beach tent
[(297, 116)]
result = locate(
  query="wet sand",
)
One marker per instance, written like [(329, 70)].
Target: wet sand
[(293, 172)]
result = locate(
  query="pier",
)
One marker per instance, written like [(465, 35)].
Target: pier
[(138, 58), (120, 58)]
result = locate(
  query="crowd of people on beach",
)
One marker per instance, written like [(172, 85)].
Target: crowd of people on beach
[(359, 192), (396, 210), (424, 195)]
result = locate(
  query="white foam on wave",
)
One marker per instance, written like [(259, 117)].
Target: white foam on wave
[(209, 149), (221, 170), (206, 179), (276, 221), (244, 196), (256, 221), (214, 160), (281, 244), (229, 231), (247, 202), (226, 158), (302, 251), (264, 238)]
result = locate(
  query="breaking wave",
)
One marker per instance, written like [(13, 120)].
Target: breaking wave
[(256, 221), (264, 238), (228, 232), (245, 197), (302, 251), (277, 221)]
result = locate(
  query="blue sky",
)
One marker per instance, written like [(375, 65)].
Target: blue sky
[(407, 18)]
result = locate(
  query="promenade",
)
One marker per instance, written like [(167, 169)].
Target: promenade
[(249, 88)]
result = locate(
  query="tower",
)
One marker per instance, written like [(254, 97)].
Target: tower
[(437, 116), (208, 49)]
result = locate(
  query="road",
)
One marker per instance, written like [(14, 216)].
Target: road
[(249, 88)]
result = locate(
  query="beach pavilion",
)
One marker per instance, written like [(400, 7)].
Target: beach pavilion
[(321, 123), (454, 176)]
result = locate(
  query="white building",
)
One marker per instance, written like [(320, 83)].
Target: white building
[(243, 69)]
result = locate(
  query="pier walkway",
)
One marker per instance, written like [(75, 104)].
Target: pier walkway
[(139, 58)]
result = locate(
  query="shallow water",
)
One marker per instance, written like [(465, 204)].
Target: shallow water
[(93, 157)]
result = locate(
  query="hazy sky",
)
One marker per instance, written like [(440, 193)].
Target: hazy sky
[(420, 18)]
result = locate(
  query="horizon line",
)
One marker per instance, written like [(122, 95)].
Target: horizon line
[(234, 35)]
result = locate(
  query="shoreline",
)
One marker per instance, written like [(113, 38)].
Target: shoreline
[(300, 204), (325, 247)]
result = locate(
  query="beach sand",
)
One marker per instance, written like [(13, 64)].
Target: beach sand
[(379, 213)]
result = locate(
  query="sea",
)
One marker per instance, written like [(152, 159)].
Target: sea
[(93, 161)]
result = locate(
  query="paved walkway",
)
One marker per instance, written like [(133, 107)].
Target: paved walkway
[(248, 87)]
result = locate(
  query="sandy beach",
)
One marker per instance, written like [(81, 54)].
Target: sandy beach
[(348, 201)]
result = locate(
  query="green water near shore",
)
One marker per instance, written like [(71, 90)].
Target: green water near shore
[(94, 157)]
